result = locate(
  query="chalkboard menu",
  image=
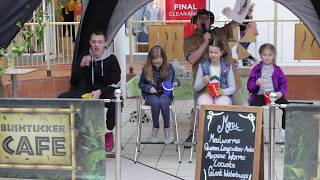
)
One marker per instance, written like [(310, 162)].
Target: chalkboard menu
[(229, 143)]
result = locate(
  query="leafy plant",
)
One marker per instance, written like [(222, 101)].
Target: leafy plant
[(301, 153), (94, 158), (40, 26), (2, 68), (24, 43)]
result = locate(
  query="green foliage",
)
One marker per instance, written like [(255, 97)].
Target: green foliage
[(2, 69), (2, 52), (301, 151), (92, 176), (94, 158), (40, 26), (24, 43)]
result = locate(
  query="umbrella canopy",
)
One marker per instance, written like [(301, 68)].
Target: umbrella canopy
[(11, 12), (308, 11)]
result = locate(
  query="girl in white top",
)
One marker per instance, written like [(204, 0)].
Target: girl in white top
[(215, 70)]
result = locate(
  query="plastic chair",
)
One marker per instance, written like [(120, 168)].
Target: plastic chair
[(194, 141), (141, 108)]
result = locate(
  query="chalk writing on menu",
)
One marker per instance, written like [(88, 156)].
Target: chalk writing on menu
[(228, 148)]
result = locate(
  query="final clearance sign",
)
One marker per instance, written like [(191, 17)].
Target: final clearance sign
[(183, 10), (30, 138)]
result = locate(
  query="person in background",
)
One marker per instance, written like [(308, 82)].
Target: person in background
[(155, 72), (225, 14), (215, 70), (267, 77), (196, 49), (248, 28), (70, 17), (102, 75)]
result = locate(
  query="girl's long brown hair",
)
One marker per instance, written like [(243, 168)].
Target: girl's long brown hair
[(155, 53)]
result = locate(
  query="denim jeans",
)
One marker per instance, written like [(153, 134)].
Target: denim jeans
[(159, 103)]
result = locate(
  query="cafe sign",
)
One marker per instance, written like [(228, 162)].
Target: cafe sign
[(42, 140)]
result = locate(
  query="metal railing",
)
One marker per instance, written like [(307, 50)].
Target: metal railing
[(279, 32), (59, 47)]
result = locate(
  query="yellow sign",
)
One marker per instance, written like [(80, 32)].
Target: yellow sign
[(35, 139), (305, 46), (170, 38)]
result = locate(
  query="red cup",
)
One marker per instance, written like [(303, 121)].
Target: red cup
[(212, 88), (267, 98)]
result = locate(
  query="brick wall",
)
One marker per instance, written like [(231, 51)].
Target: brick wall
[(47, 87)]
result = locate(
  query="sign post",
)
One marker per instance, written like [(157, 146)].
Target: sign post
[(229, 142)]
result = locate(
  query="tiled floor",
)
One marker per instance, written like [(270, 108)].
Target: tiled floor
[(165, 157)]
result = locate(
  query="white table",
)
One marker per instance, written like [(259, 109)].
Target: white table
[(13, 72)]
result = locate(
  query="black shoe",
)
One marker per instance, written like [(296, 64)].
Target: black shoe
[(188, 142)]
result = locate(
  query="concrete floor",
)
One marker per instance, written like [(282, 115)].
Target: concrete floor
[(157, 160)]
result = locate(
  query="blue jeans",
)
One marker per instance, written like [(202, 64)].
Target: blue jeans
[(158, 103)]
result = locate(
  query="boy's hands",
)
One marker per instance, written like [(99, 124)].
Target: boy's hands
[(96, 94), (85, 61)]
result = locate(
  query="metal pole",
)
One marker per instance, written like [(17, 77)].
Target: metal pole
[(272, 118), (14, 85), (130, 41), (117, 94), (46, 38), (275, 22)]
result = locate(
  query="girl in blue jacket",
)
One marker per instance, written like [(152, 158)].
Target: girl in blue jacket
[(156, 71)]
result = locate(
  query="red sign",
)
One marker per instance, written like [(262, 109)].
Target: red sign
[(184, 10)]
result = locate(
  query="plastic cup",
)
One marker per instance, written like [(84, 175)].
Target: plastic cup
[(267, 98), (212, 88), (167, 87)]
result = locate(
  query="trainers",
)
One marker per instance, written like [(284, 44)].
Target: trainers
[(188, 142), (155, 135), (167, 136), (108, 141)]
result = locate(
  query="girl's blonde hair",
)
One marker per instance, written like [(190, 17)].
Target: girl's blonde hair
[(155, 53), (269, 46)]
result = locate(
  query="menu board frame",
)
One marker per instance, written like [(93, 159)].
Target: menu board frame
[(240, 109)]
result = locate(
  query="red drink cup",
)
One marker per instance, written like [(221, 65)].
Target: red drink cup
[(267, 98), (212, 88)]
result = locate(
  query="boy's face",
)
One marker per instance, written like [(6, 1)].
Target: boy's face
[(98, 44), (215, 53), (267, 56)]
